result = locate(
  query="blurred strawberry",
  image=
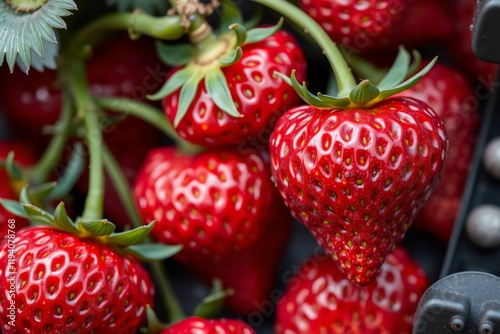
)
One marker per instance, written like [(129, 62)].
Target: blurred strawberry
[(319, 299), (250, 274), (451, 96), (195, 325)]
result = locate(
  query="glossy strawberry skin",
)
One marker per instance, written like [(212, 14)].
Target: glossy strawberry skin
[(258, 94), (213, 203), (319, 299), (252, 272), (452, 97), (66, 284), (356, 178), (195, 325), (24, 156), (360, 25)]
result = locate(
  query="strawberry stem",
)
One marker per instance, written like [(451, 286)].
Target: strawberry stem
[(151, 115), (342, 71), (39, 173), (76, 79), (122, 187)]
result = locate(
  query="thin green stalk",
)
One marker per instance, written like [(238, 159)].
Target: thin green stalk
[(342, 71), (137, 23), (74, 74), (41, 171), (122, 187), (150, 114)]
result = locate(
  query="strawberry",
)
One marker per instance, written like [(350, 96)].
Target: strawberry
[(356, 177), (460, 45), (214, 203), (198, 325), (68, 284), (451, 96), (319, 299), (250, 273), (258, 95), (359, 25), (24, 156)]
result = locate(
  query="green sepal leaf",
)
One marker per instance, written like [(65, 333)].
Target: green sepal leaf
[(24, 197), (42, 191), (71, 173), (153, 252), (97, 228), (258, 34), (14, 207), (232, 58), (12, 169), (319, 101), (175, 55), (154, 325), (211, 305), (38, 215), (188, 92), (131, 237), (173, 83), (230, 14), (240, 32), (364, 92), (408, 83), (23, 33), (216, 85), (417, 60), (63, 221), (397, 72)]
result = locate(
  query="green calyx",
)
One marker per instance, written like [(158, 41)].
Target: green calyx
[(203, 62), (365, 94), (102, 230)]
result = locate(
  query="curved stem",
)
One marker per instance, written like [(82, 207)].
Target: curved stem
[(74, 74), (151, 115), (342, 71), (165, 27), (40, 172), (122, 187)]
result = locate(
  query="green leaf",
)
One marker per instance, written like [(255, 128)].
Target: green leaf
[(12, 169), (153, 252), (149, 6), (42, 191), (98, 228), (14, 207), (24, 32), (408, 83), (24, 198), (398, 71), (417, 60), (258, 34), (211, 305), (364, 92), (232, 58), (62, 220), (131, 237), (188, 92), (240, 32), (173, 83), (175, 54), (216, 85), (230, 14), (38, 215), (71, 173)]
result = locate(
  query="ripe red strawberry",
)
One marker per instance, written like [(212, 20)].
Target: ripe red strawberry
[(360, 25), (357, 177), (197, 325), (319, 299), (251, 273), (214, 203), (259, 95), (67, 284), (23, 155), (451, 96), (460, 45)]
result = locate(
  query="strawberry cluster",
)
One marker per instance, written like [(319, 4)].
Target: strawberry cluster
[(202, 142)]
